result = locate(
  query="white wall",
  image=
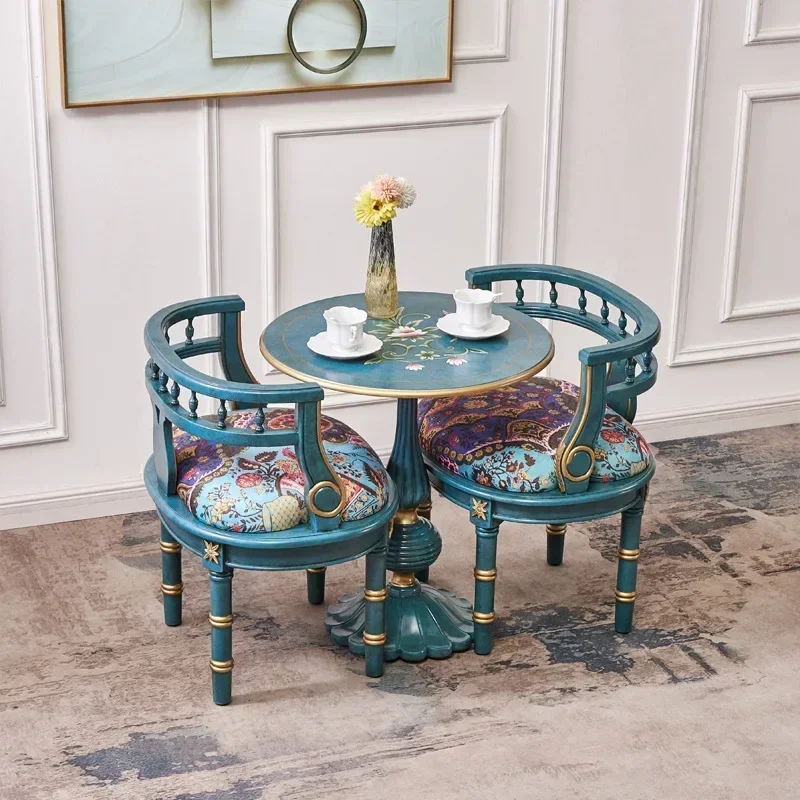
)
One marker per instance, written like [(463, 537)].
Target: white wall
[(663, 174)]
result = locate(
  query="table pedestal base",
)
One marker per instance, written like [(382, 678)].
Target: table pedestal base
[(421, 622)]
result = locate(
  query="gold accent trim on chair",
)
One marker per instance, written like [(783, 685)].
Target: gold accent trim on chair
[(481, 618), (221, 622), (566, 452), (221, 667), (312, 493), (480, 508), (628, 555), (170, 547), (375, 595), (316, 570), (486, 575), (624, 597), (211, 552), (172, 590), (374, 638), (556, 529)]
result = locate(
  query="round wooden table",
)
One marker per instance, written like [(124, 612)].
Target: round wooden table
[(417, 360)]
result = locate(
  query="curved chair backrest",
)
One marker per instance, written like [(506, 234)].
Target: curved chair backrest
[(628, 366), (167, 375)]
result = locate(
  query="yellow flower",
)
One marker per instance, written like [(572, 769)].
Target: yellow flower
[(371, 212)]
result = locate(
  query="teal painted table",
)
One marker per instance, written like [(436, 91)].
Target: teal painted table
[(417, 360)]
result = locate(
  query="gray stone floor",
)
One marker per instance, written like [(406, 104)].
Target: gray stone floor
[(99, 700)]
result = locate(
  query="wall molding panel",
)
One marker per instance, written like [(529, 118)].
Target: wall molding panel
[(748, 96), (755, 34), (493, 117), (54, 426), (212, 213), (494, 51), (688, 192)]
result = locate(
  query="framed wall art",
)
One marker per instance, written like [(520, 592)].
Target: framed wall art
[(132, 51)]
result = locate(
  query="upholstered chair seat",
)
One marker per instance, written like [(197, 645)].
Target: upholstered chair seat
[(507, 438), (262, 489)]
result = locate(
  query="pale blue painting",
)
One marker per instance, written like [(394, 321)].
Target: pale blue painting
[(136, 50)]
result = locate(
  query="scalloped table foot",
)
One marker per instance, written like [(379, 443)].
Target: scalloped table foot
[(421, 622)]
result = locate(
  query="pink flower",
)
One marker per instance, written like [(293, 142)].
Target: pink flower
[(414, 367), (456, 361), (405, 332), (386, 189)]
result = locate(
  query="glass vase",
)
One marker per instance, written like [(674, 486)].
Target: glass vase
[(380, 293)]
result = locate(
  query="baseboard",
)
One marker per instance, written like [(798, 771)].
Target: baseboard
[(86, 502), (127, 497), (681, 423)]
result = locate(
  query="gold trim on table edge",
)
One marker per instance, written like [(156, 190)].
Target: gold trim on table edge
[(410, 394)]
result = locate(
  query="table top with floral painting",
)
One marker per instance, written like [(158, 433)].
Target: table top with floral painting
[(417, 359)]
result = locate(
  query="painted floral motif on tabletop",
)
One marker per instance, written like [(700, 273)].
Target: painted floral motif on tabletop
[(410, 338)]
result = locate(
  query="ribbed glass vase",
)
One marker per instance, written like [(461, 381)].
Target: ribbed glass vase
[(381, 290)]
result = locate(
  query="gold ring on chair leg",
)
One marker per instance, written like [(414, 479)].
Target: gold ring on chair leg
[(170, 547), (221, 622), (556, 529), (374, 638), (375, 595), (173, 590), (628, 555), (221, 667), (624, 597), (485, 575), (482, 619)]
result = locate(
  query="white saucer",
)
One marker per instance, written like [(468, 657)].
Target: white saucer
[(450, 324), (322, 346)]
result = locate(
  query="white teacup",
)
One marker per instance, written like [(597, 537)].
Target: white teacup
[(345, 326), (474, 308)]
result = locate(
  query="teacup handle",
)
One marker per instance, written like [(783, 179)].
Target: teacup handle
[(353, 333)]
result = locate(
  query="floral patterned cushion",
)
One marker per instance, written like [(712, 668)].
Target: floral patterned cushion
[(256, 489), (507, 438)]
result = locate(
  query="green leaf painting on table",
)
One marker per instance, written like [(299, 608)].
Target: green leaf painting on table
[(407, 338)]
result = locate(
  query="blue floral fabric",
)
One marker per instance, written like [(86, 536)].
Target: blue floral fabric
[(257, 489), (507, 438)]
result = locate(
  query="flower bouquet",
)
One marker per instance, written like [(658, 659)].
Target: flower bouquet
[(376, 207)]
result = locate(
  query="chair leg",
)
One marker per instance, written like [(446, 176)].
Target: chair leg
[(485, 576), (375, 612), (628, 559), (315, 583), (171, 581), (221, 619), (555, 543)]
